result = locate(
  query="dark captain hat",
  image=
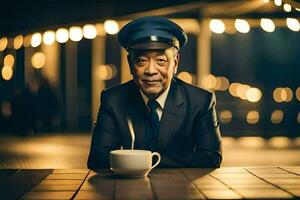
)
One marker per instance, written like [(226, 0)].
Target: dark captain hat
[(152, 32)]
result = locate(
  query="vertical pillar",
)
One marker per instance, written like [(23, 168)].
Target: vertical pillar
[(71, 85), (29, 70), (98, 58), (204, 51), (52, 68)]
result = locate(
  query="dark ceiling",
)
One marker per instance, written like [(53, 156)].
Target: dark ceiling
[(27, 16)]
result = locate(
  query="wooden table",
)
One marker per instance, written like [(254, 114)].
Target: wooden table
[(225, 183)]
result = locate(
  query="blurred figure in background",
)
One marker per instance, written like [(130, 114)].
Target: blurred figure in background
[(46, 106), (23, 112), (35, 108)]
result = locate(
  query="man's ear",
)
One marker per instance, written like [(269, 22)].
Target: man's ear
[(176, 62), (130, 63)]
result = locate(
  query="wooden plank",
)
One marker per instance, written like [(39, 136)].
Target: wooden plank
[(48, 195), (221, 194), (133, 189), (295, 192), (98, 185), (101, 180), (55, 188), (292, 169), (286, 181), (66, 176), (94, 195), (265, 170), (174, 186), (232, 176), (278, 176), (230, 170), (264, 193), (22, 182), (60, 182), (70, 171)]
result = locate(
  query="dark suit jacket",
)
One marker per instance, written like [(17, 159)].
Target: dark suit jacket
[(189, 133)]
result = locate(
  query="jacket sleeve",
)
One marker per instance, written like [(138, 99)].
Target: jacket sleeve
[(104, 137), (207, 151)]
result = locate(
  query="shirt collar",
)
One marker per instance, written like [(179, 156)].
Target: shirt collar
[(161, 99)]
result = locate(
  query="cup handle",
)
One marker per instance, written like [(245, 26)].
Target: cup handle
[(158, 160)]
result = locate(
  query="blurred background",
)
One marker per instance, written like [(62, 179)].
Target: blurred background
[(57, 56)]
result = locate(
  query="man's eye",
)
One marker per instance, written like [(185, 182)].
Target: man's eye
[(141, 60), (161, 61)]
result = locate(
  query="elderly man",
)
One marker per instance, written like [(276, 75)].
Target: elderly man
[(169, 116)]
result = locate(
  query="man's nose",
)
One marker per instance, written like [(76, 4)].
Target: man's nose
[(151, 68)]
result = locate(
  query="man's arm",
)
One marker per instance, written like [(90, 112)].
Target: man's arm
[(104, 138), (207, 140)]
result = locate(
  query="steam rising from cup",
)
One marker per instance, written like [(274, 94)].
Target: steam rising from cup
[(129, 122)]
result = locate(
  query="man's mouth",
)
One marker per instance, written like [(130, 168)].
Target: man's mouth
[(150, 82)]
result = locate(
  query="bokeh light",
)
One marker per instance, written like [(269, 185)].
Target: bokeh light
[(233, 88), (225, 116), (277, 95), (283, 94), (287, 7), (209, 82), (252, 117), (27, 41), (253, 94), (298, 93), (267, 25), (106, 72), (224, 83), (242, 25), (62, 35), (218, 84), (89, 31), (49, 37), (9, 60), (241, 91), (36, 39), (75, 33), (186, 77), (111, 27), (276, 116), (3, 43), (278, 2), (298, 118), (18, 41), (293, 24), (279, 142), (252, 142), (288, 94), (7, 73), (38, 60), (217, 26)]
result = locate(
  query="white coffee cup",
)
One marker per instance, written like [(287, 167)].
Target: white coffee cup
[(132, 163)]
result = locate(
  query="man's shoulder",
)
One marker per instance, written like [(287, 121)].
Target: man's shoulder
[(119, 89), (196, 97)]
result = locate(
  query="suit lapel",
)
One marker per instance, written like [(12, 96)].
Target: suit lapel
[(172, 115), (136, 110)]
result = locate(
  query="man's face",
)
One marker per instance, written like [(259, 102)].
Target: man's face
[(153, 70)]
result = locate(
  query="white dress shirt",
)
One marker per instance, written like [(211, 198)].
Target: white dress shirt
[(161, 100)]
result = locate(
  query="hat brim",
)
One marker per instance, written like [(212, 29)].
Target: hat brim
[(151, 45)]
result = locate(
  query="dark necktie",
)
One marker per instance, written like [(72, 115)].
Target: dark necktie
[(153, 118)]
